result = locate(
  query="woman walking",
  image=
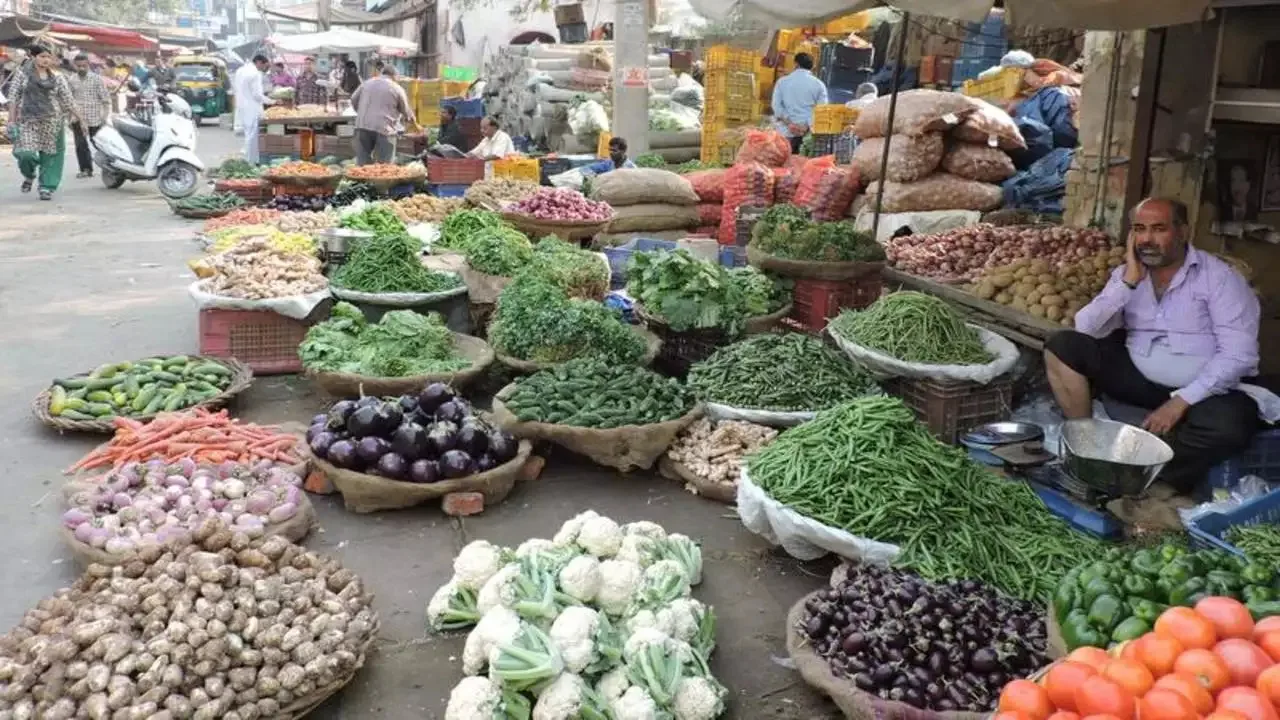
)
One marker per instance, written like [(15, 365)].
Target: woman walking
[(41, 101)]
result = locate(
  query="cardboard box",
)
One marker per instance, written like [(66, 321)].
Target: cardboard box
[(570, 14)]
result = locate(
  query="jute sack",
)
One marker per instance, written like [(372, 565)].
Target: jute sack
[(483, 288), (854, 703), (293, 530), (351, 385), (698, 485), (978, 162), (910, 157), (917, 112), (940, 191), (363, 493), (814, 270), (989, 125), (654, 216), (633, 186), (625, 448), (1055, 645), (652, 344)]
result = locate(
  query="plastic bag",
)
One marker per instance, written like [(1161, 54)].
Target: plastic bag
[(834, 193), (940, 191), (810, 176), (766, 147), (297, 307), (882, 366), (989, 125), (978, 162), (744, 183), (917, 112), (588, 118), (708, 184), (635, 186), (769, 418), (568, 179), (910, 157), (1225, 499)]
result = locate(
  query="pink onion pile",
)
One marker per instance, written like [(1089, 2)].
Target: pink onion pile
[(561, 204), (960, 255), (146, 504)]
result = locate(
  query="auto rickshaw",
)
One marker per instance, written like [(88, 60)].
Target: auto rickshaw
[(203, 83)]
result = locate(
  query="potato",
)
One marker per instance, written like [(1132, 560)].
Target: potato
[(1033, 298), (1003, 298), (1099, 262), (1069, 294), (1045, 277), (1052, 301), (1003, 280), (1020, 273), (1053, 313), (985, 290), (1045, 288), (1038, 265), (1036, 310), (1018, 304)]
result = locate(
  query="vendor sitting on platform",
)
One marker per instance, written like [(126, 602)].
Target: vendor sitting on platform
[(617, 159), (1174, 332), (451, 130), (496, 143)]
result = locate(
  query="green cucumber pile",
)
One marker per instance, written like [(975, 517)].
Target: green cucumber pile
[(145, 387), (596, 394), (785, 372), (213, 202)]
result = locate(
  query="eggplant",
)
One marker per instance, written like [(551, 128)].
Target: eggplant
[(387, 417), (473, 439), (339, 413), (410, 441), (368, 401), (369, 449), (486, 462), (343, 454), (393, 465), (441, 438), (363, 422), (408, 404), (316, 429), (321, 443), (433, 396), (424, 471), (503, 446), (456, 464), (451, 411), (320, 419)]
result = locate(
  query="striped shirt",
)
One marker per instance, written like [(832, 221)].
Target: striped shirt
[(91, 96)]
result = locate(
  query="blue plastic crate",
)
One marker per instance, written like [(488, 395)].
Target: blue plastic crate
[(733, 256), (1261, 458), (1207, 530), (449, 191), (618, 257), (464, 108)]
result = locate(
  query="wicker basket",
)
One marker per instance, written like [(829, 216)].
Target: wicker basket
[(201, 213), (385, 184), (652, 344), (241, 379), (330, 181), (567, 230), (351, 385)]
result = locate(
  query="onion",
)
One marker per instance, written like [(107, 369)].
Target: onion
[(227, 468), (233, 489), (219, 503), (187, 466), (173, 493), (84, 531), (283, 512), (75, 517), (203, 506), (121, 500), (98, 538), (118, 546), (260, 502), (203, 482)]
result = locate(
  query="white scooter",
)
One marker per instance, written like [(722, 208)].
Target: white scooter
[(162, 149)]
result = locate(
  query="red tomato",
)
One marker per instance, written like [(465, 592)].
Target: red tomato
[(1247, 702), (1230, 618), (1244, 660)]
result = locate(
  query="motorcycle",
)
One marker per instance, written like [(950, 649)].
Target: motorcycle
[(158, 145)]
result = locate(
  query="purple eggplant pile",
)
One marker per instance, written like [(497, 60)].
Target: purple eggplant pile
[(935, 646), (421, 438), (314, 203)]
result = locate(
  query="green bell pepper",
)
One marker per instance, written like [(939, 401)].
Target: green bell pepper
[(1066, 599), (1112, 555), (1096, 570), (1222, 582), (1096, 588), (1130, 629), (1106, 612), (1146, 609), (1140, 586), (1257, 574), (1169, 552), (1180, 570), (1164, 586), (1146, 562), (1264, 609), (1257, 594), (1189, 593), (1077, 632)]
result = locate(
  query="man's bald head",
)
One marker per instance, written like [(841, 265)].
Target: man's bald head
[(1158, 227)]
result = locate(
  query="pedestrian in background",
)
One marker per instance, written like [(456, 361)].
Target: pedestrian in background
[(250, 99), (310, 91), (280, 77), (40, 104), (794, 98), (164, 76), (379, 105), (94, 103)]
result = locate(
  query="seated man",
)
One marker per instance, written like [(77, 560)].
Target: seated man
[(1174, 332), (617, 159), (496, 143)]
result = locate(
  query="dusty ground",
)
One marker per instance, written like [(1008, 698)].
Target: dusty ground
[(99, 275)]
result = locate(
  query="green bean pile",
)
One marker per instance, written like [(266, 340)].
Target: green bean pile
[(390, 264), (869, 468), (461, 226), (1260, 543), (786, 372), (913, 327)]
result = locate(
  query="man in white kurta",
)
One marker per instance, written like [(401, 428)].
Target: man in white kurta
[(250, 99)]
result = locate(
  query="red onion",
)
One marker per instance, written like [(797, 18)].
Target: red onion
[(281, 513), (75, 517), (84, 531)]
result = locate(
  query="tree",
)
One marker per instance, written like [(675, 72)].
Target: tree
[(519, 9)]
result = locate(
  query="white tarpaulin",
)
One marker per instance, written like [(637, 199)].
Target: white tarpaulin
[(340, 41), (1078, 14)]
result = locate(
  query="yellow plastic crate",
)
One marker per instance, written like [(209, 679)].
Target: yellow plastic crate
[(602, 145), (847, 24), (720, 142), (723, 57), (455, 88), (787, 39), (831, 119), (1001, 86), (727, 84), (518, 169), (733, 110)]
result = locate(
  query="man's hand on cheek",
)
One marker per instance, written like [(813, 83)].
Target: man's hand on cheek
[(1163, 418)]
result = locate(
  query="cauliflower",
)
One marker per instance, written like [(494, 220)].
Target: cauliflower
[(651, 530), (641, 639), (661, 619), (574, 633), (685, 551), (613, 684), (698, 698), (636, 704), (580, 578), (498, 590), (600, 536), (568, 533), (568, 698), (452, 607), (499, 626), (534, 545), (664, 581), (620, 580), (694, 623), (527, 663), (639, 549), (477, 698), (477, 562)]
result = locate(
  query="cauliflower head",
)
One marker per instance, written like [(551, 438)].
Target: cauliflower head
[(498, 590), (452, 607), (534, 545), (636, 704), (499, 626), (568, 533), (574, 633), (620, 580), (651, 530), (568, 697), (699, 698), (639, 549), (600, 536), (474, 698), (580, 579), (478, 561)]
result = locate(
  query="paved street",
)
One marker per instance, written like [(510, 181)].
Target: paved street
[(99, 275)]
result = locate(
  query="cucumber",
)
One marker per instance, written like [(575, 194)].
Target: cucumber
[(74, 383), (175, 398), (79, 394), (99, 396), (99, 410), (154, 405), (143, 398), (57, 400), (167, 376), (132, 385), (210, 368), (76, 415), (176, 360)]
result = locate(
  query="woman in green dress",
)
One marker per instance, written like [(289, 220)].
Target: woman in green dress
[(40, 104)]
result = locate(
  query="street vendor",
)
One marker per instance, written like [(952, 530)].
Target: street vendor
[(380, 104), (1174, 332), (617, 159), (280, 76), (496, 143), (311, 90), (794, 98), (451, 130)]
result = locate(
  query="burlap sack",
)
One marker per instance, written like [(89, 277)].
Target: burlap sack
[(633, 186), (910, 157), (698, 485), (625, 448), (350, 385), (978, 162), (363, 493), (597, 58), (483, 288), (811, 269), (652, 344), (940, 191), (654, 216), (293, 530), (1056, 645), (854, 703), (989, 125), (917, 112)]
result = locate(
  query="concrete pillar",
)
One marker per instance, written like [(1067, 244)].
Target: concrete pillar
[(631, 75)]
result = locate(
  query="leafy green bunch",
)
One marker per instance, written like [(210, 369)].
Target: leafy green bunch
[(402, 344), (461, 226), (650, 160), (690, 293), (786, 231), (536, 321), (377, 219), (579, 273), (500, 250)]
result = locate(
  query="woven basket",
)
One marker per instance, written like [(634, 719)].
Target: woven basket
[(350, 385), (385, 184), (567, 230), (303, 706), (201, 214), (241, 378), (330, 181), (811, 269), (652, 344)]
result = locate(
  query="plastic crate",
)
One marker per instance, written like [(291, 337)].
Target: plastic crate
[(455, 171), (456, 88), (618, 256), (280, 145), (723, 57), (1207, 531), (732, 256), (448, 191), (1001, 86), (464, 108), (735, 109), (729, 83), (831, 119), (951, 409), (517, 169), (680, 350), (814, 302), (1261, 458), (265, 341), (552, 166)]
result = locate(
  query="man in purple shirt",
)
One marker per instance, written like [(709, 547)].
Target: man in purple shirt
[(1174, 332)]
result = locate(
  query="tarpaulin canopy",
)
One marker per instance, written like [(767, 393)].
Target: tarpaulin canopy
[(1078, 14), (342, 40), (109, 37)]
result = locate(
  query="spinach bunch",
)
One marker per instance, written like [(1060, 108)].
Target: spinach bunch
[(689, 293), (501, 251), (403, 343), (536, 321), (786, 231)]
